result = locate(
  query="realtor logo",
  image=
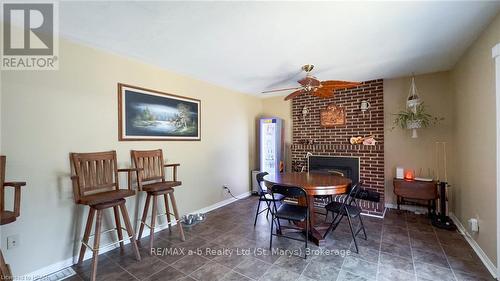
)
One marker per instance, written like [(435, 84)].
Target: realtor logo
[(29, 36)]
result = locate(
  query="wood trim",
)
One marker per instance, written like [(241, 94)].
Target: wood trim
[(120, 115)]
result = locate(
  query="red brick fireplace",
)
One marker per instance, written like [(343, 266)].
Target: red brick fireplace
[(310, 136)]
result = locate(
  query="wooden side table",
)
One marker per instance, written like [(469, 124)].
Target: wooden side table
[(416, 190)]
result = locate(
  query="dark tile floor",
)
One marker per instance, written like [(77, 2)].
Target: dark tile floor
[(227, 247)]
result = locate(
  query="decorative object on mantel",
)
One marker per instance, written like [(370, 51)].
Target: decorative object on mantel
[(305, 112), (414, 117), (370, 140), (313, 86), (332, 116), (364, 106)]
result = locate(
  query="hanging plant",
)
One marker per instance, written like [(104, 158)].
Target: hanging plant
[(415, 118)]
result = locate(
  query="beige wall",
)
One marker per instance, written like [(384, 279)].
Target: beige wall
[(473, 80), (47, 114), (277, 107), (419, 153)]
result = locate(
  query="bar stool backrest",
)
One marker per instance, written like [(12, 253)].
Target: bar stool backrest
[(2, 180), (94, 173), (151, 164)]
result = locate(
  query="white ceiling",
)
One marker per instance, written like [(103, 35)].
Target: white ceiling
[(254, 46)]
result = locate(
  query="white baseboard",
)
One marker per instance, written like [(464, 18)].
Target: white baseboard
[(42, 272), (482, 255)]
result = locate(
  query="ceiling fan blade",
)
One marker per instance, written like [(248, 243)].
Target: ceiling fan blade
[(323, 93), (294, 94), (339, 84), (279, 90)]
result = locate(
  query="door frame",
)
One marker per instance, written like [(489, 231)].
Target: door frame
[(496, 56)]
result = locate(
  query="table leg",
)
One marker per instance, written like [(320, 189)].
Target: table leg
[(314, 234)]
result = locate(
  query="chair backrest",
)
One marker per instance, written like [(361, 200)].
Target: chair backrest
[(289, 191), (351, 196), (151, 163), (260, 178), (2, 180), (95, 172)]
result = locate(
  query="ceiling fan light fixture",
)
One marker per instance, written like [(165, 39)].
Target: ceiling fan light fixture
[(308, 68)]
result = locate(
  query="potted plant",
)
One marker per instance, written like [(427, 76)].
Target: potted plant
[(414, 118)]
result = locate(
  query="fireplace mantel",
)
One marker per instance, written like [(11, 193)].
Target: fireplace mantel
[(337, 147)]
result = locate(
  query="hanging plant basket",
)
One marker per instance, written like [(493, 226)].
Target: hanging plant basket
[(414, 118), (414, 124)]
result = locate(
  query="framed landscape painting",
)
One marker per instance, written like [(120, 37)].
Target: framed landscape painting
[(145, 114)]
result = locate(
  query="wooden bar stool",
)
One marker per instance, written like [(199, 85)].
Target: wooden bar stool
[(151, 179), (95, 183), (6, 216)]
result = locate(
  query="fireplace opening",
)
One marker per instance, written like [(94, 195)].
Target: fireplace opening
[(344, 166)]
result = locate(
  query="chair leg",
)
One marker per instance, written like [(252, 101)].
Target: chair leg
[(118, 225), (144, 216), (167, 212), (307, 236), (257, 213), (271, 236), (153, 223), (176, 215), (363, 227), (333, 224), (97, 238), (278, 223), (86, 235), (130, 230), (5, 272), (352, 233)]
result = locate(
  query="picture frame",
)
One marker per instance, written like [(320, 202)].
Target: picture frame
[(151, 115), (333, 115)]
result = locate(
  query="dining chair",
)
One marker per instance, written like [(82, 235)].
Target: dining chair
[(349, 208), (266, 197), (8, 216), (290, 212), (96, 184), (151, 179)]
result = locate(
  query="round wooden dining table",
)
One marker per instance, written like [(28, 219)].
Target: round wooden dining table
[(314, 184)]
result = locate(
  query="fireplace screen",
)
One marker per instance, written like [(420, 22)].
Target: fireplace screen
[(343, 166)]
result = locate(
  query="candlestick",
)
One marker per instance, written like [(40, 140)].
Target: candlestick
[(444, 152), (437, 160)]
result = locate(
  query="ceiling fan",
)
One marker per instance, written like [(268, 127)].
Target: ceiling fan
[(313, 86)]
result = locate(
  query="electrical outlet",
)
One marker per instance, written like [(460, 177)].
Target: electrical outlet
[(12, 241)]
